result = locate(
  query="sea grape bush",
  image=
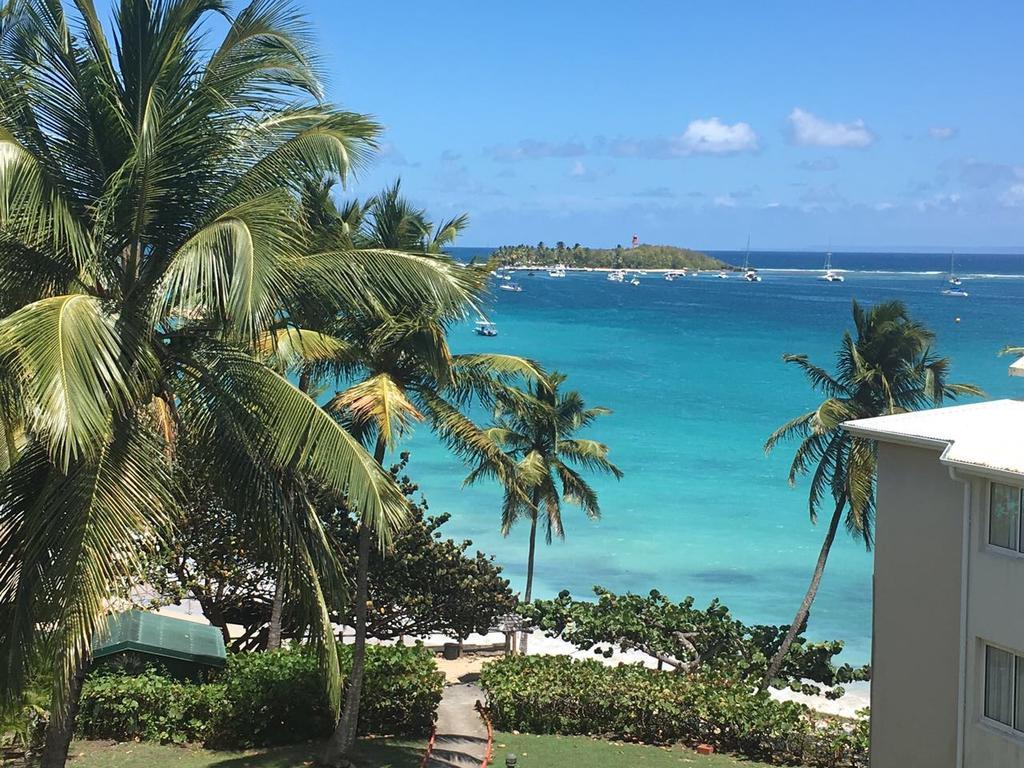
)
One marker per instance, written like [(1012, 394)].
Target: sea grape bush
[(560, 695), (260, 699), (688, 639), (149, 706)]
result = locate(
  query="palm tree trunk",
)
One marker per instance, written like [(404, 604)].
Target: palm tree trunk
[(276, 609), (61, 727), (528, 597), (812, 591), (344, 735)]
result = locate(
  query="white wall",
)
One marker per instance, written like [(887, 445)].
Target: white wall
[(917, 611), (996, 615)]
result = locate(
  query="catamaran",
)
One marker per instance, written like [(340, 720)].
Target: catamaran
[(749, 273), (485, 328), (617, 276), (557, 271), (830, 276)]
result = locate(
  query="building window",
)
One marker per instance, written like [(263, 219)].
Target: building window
[(1004, 687), (1004, 517)]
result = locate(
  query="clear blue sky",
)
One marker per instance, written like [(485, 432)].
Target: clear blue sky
[(871, 123)]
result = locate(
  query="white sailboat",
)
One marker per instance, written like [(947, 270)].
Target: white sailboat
[(830, 276), (749, 273), (953, 279)]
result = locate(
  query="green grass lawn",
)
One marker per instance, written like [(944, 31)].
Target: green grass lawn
[(583, 752), (375, 753), (533, 752)]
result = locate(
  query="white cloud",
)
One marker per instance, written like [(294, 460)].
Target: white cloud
[(940, 202), (583, 172), (942, 132), (809, 130), (713, 137), (1013, 197)]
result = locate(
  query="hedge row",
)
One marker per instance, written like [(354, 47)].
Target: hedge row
[(261, 699), (560, 695)]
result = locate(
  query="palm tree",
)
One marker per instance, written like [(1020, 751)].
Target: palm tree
[(398, 368), (534, 433), (886, 367), (405, 374), (149, 237)]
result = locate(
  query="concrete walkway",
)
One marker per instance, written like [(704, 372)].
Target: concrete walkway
[(461, 734)]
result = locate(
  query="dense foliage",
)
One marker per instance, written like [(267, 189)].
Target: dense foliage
[(422, 583), (691, 640), (560, 695), (638, 257), (260, 699), (152, 162)]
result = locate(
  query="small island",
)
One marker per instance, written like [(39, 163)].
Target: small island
[(641, 256)]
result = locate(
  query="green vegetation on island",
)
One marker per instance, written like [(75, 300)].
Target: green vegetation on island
[(642, 256)]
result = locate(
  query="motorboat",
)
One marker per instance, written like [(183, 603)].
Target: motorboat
[(635, 281), (486, 328), (513, 287), (955, 292), (723, 274)]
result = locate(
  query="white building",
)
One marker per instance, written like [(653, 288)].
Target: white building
[(948, 637)]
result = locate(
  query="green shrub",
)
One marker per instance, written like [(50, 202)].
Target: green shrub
[(261, 699), (273, 698), (149, 706), (401, 691), (278, 697), (559, 695)]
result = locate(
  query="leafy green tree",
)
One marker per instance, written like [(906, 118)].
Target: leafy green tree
[(885, 366), (422, 583), (534, 453), (689, 640), (150, 176)]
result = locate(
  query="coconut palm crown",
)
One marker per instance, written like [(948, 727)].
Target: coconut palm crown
[(538, 457)]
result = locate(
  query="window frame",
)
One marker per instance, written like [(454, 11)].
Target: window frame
[(998, 548), (1016, 730)]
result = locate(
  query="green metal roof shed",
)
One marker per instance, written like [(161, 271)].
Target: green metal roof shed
[(139, 632)]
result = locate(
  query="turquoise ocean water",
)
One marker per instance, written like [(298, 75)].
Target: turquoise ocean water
[(692, 370)]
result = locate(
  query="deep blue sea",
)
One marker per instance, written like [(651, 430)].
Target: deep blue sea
[(693, 372)]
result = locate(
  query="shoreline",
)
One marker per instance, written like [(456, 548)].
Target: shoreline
[(856, 697)]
